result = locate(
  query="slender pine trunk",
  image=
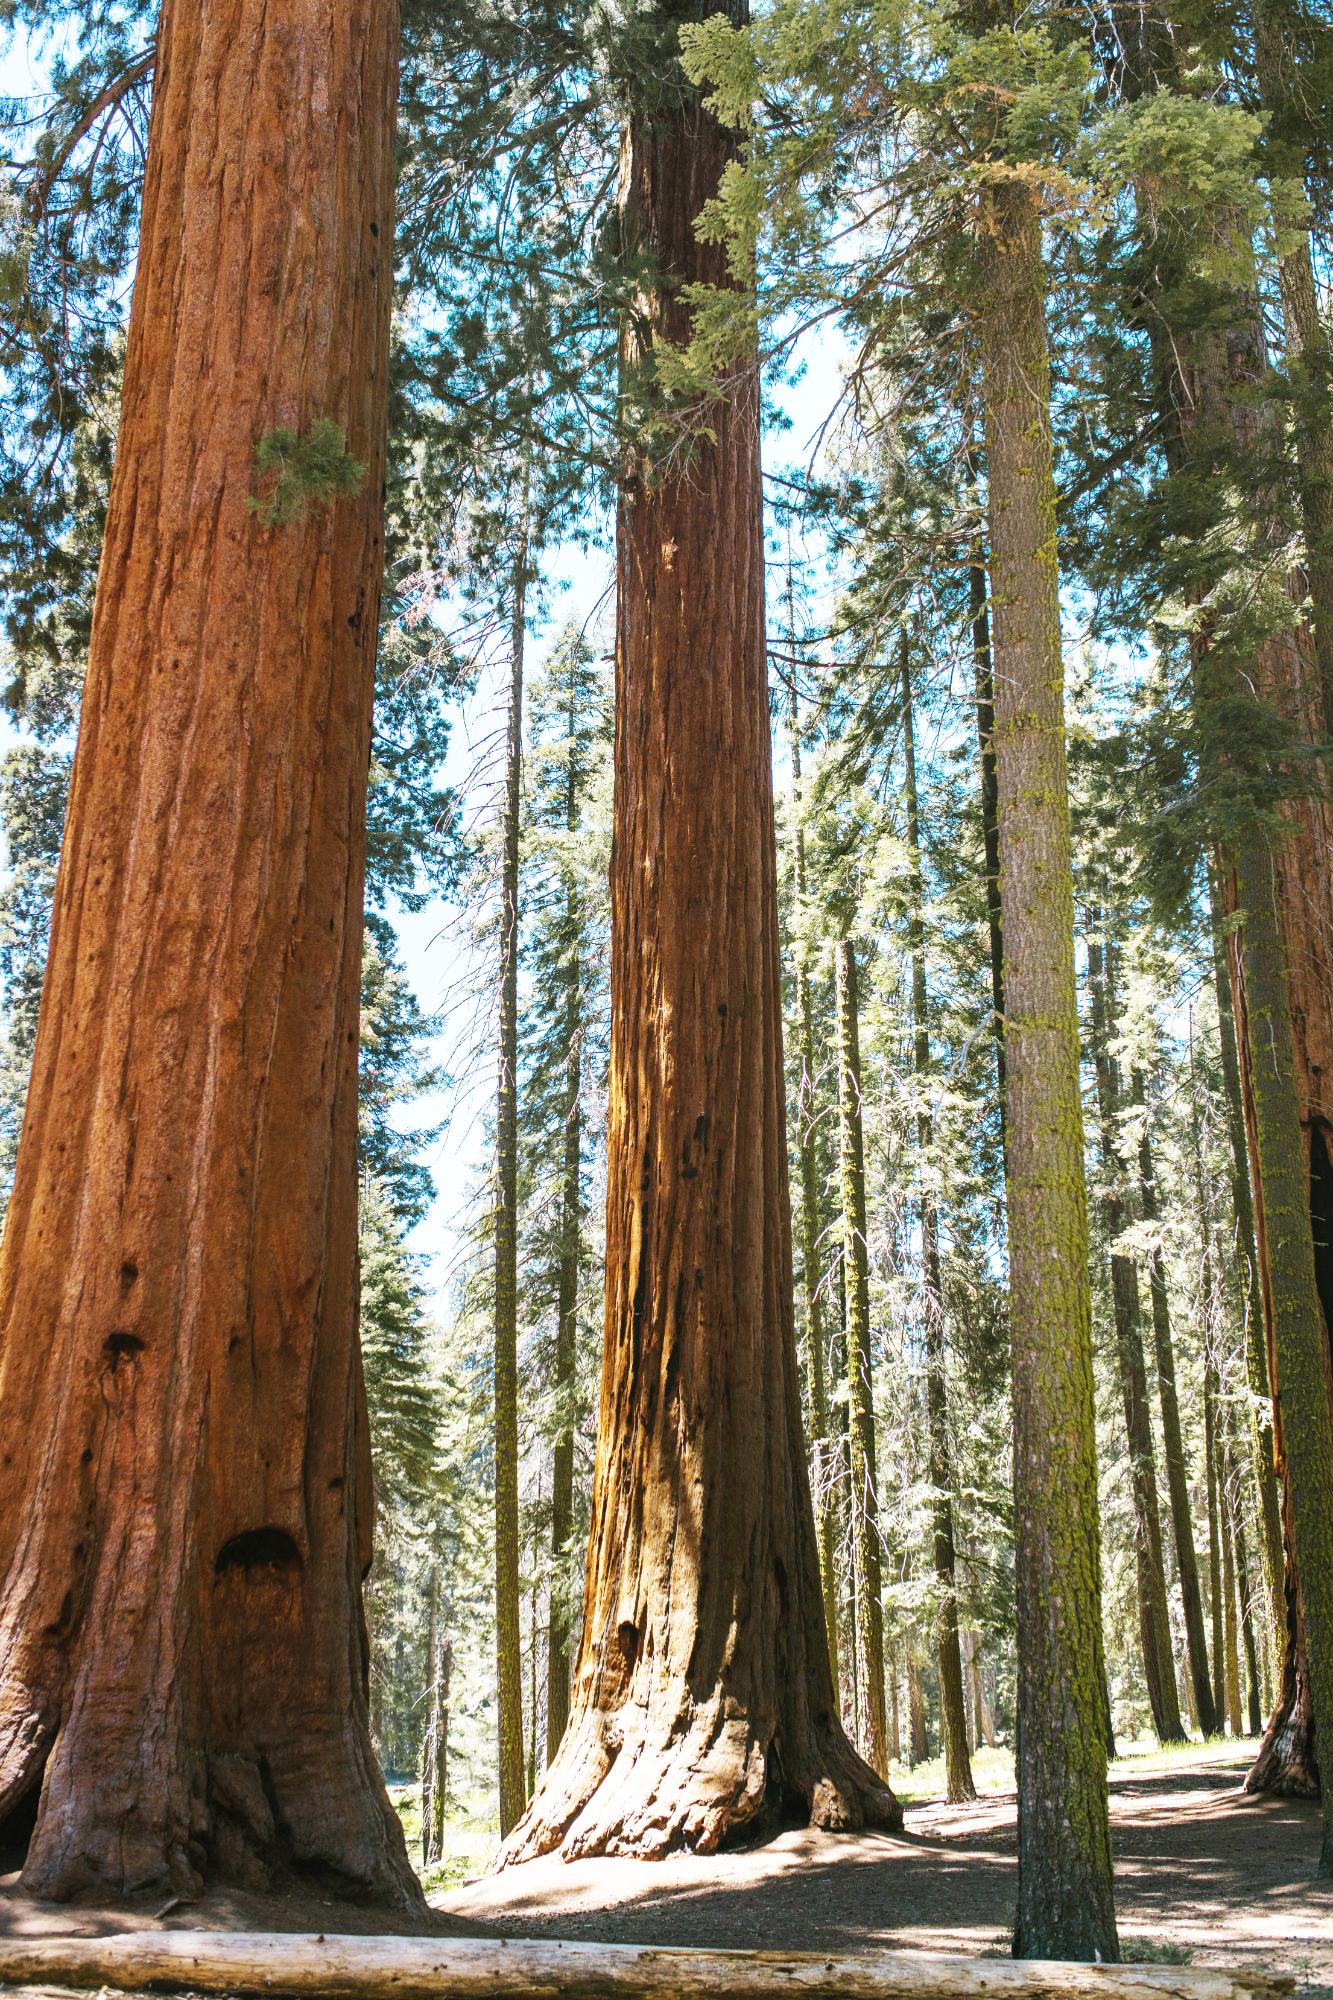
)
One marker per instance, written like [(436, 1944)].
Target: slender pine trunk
[(1235, 1488), (435, 1743), (1256, 1338), (571, 1238), (824, 1473), (953, 1705), (1065, 1901), (1154, 1617), (508, 1639), (1230, 1635), (916, 1706), (1215, 1582), (428, 1735), (1177, 1472), (864, 1494)]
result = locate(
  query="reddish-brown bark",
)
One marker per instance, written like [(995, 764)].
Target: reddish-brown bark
[(1285, 674), (702, 1694), (185, 1504)]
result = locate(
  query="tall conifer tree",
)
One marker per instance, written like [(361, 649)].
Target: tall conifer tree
[(180, 1249)]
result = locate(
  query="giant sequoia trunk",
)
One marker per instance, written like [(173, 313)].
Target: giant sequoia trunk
[(185, 1504), (702, 1695), (1065, 1907), (1298, 1329), (1281, 972)]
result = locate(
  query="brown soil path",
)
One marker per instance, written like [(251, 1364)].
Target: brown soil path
[(1198, 1867)]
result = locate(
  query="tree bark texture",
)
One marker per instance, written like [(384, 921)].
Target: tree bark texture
[(702, 1697), (1065, 1906), (185, 1501), (1299, 1334), (1281, 965), (1309, 356), (984, 683)]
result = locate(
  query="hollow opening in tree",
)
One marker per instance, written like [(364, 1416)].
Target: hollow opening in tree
[(259, 1548), (17, 1826)]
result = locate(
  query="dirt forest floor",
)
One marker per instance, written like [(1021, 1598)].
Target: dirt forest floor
[(1201, 1873)]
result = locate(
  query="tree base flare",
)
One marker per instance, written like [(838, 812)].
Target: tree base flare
[(620, 1789), (184, 1819)]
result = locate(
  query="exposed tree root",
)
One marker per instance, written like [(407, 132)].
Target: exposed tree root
[(1286, 1767), (708, 1777)]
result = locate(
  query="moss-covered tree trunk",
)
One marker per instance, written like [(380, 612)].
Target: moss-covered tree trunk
[(1065, 1907), (984, 692), (702, 1698), (1177, 1471), (867, 1568), (185, 1498), (953, 1704), (508, 1641)]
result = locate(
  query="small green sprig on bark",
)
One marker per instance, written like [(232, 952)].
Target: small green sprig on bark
[(311, 471)]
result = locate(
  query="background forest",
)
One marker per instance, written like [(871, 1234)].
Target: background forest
[(1179, 158)]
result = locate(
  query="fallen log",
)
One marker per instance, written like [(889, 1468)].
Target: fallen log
[(395, 1968)]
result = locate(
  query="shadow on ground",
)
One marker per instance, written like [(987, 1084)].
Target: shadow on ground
[(1199, 1867)]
